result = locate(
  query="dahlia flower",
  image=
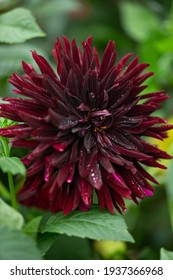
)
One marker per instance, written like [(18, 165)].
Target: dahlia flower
[(86, 129)]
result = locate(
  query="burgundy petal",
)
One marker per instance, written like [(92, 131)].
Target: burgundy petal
[(86, 191), (86, 161), (95, 177)]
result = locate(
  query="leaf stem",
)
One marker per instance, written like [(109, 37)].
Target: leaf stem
[(9, 175), (12, 191), (169, 191)]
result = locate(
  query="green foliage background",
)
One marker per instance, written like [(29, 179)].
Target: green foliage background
[(144, 27)]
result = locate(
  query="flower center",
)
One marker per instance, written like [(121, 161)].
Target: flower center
[(99, 120), (99, 129)]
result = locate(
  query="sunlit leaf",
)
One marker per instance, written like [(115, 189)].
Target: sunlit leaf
[(4, 122), (9, 217), (166, 255), (138, 21), (18, 25), (31, 228), (11, 57), (12, 165), (164, 44), (15, 245), (93, 224)]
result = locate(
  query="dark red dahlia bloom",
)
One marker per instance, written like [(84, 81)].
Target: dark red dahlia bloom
[(84, 127)]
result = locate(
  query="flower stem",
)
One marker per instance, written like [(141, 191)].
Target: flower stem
[(12, 191), (10, 177), (169, 191)]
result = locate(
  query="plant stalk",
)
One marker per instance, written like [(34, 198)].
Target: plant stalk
[(9, 175)]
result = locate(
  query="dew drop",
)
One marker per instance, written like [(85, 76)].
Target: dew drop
[(102, 118), (69, 179), (92, 95), (87, 198), (59, 147)]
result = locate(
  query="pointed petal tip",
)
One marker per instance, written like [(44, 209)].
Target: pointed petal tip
[(148, 192)]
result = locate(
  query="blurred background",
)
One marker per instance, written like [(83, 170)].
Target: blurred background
[(144, 27)]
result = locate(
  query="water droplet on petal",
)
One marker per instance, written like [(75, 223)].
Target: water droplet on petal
[(60, 147), (69, 179), (92, 95), (116, 84)]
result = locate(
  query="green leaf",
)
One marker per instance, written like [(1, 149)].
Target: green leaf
[(4, 122), (69, 248), (45, 241), (7, 4), (164, 44), (54, 7), (166, 255), (12, 165), (138, 21), (11, 57), (93, 224), (169, 21), (31, 228), (4, 192), (9, 217), (165, 70), (15, 245), (18, 26)]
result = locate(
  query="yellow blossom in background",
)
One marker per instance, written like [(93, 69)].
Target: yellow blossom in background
[(109, 249), (167, 146)]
